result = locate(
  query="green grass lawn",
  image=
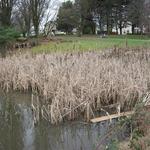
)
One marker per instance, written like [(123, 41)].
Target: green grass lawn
[(85, 43)]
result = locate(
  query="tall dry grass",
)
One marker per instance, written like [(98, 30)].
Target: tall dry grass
[(79, 83)]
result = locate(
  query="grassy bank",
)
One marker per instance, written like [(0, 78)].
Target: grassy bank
[(79, 83), (86, 43)]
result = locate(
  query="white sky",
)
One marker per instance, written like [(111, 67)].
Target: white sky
[(52, 12), (65, 0), (55, 4)]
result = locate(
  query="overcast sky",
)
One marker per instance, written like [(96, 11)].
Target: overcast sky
[(55, 4), (52, 11)]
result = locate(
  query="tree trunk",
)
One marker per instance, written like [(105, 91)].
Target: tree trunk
[(80, 28), (133, 27), (100, 26), (116, 28), (79, 32), (36, 29), (5, 12), (120, 28), (24, 34), (107, 24)]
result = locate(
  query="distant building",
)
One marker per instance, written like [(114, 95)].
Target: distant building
[(125, 30)]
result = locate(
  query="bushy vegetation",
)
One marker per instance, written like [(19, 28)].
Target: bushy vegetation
[(136, 127), (8, 35), (140, 127)]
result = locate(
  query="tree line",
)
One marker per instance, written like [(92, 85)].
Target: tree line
[(84, 15), (23, 14), (87, 14)]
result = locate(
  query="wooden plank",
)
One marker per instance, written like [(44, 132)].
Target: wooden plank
[(114, 116)]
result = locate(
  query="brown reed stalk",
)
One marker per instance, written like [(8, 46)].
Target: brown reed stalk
[(67, 80)]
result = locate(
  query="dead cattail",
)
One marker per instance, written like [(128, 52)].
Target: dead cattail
[(97, 78)]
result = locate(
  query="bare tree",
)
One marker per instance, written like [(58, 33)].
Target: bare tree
[(136, 14), (38, 9), (50, 17), (147, 16), (22, 16), (49, 25), (6, 7)]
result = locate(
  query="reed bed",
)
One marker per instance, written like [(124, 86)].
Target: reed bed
[(72, 84)]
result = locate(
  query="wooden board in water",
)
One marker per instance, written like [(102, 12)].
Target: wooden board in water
[(114, 116)]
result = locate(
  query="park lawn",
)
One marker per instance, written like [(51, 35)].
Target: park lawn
[(86, 43)]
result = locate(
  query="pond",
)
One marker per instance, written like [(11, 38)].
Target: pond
[(18, 132)]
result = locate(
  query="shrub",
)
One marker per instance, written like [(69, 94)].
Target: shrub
[(7, 35), (87, 30)]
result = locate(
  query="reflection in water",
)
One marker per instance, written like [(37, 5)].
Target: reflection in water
[(28, 126), (10, 127), (17, 131), (70, 136)]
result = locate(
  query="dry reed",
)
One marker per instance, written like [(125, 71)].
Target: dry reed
[(79, 83)]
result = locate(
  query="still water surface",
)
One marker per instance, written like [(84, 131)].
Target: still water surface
[(18, 132)]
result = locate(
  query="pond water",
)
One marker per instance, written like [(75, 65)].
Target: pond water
[(18, 132)]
